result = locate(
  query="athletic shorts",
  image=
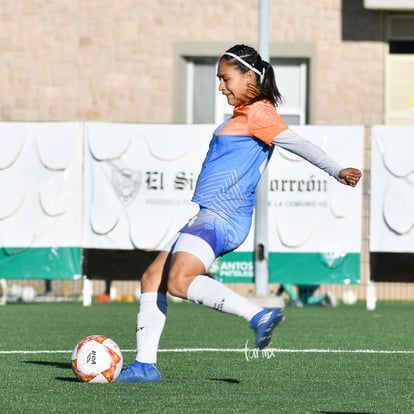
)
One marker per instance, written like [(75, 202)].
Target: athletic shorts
[(208, 235)]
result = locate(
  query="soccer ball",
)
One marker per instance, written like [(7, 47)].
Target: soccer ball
[(97, 359), (28, 294), (349, 297)]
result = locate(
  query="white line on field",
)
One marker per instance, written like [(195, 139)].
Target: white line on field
[(241, 350), (286, 351)]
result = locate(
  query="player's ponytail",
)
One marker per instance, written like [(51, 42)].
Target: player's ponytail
[(268, 86)]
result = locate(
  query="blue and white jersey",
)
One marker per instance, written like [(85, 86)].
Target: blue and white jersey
[(238, 154)]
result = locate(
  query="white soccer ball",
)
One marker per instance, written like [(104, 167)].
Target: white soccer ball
[(28, 294), (97, 359), (349, 297)]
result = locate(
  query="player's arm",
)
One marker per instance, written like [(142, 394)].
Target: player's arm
[(294, 143)]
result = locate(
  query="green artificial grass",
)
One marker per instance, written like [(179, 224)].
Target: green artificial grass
[(322, 360)]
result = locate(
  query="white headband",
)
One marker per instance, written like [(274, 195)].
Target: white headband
[(242, 61)]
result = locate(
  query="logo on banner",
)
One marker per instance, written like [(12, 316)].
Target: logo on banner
[(236, 266), (126, 183)]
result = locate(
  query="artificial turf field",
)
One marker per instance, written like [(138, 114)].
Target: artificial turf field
[(322, 360)]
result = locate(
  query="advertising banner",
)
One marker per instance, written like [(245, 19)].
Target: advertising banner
[(314, 221), (392, 201), (139, 181), (100, 199), (41, 200)]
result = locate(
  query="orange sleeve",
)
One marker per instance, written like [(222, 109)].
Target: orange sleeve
[(264, 122)]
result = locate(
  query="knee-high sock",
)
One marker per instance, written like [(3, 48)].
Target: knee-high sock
[(214, 294), (150, 324), (290, 290)]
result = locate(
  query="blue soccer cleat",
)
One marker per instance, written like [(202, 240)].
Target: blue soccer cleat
[(263, 324), (139, 372)]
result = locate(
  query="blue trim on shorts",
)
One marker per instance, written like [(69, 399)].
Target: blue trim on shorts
[(223, 234)]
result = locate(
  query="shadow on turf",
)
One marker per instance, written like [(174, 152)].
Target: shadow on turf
[(60, 365), (67, 365), (228, 380)]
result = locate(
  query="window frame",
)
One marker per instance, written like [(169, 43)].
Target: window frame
[(183, 51)]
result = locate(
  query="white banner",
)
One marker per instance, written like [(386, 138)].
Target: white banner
[(392, 189), (309, 211), (139, 179), (70, 186), (139, 182), (41, 184), (41, 200)]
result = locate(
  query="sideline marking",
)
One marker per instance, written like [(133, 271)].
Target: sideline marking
[(240, 350)]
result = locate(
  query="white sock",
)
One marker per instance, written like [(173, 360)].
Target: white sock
[(214, 294), (150, 324)]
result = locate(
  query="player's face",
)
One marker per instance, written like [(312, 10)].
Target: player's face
[(234, 84)]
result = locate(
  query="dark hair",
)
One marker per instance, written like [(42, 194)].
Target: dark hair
[(265, 88)]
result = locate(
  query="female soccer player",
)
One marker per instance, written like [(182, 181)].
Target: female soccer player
[(226, 193)]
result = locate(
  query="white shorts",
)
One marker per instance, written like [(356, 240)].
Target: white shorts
[(194, 245)]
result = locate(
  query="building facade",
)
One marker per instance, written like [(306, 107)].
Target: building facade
[(140, 61)]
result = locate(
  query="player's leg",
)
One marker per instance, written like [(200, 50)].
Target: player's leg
[(307, 295), (150, 323), (323, 299), (192, 257), (293, 295)]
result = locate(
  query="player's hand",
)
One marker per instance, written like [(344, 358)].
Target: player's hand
[(349, 176)]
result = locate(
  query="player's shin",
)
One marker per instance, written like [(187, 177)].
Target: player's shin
[(150, 324)]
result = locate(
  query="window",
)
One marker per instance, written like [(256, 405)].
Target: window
[(401, 33), (201, 87), (399, 69), (205, 104), (291, 79)]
